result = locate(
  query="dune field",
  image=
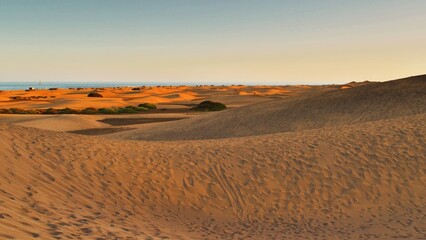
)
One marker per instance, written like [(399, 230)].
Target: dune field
[(282, 162)]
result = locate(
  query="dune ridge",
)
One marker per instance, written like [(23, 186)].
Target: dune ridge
[(67, 122), (335, 164), (361, 103), (365, 180)]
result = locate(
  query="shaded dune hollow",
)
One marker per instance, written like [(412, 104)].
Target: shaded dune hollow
[(363, 177)]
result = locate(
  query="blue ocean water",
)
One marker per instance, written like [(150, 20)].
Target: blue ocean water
[(47, 85)]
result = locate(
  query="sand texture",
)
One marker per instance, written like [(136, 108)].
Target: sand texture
[(364, 103), (342, 163)]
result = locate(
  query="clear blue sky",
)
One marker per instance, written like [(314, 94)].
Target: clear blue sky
[(238, 41)]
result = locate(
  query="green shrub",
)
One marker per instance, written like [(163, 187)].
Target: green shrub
[(107, 111), (127, 110), (34, 111), (50, 111), (209, 106), (141, 109), (67, 111), (94, 94), (138, 109), (89, 110), (147, 105), (17, 111)]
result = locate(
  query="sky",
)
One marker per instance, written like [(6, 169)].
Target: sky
[(215, 41)]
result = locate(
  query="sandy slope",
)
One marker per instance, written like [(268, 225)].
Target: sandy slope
[(360, 181), (366, 102), (54, 122), (343, 163), (173, 98)]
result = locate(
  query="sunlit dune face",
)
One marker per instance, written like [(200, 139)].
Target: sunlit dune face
[(278, 162), (124, 96), (240, 119)]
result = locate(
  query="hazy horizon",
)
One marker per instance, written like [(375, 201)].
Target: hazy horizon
[(204, 42)]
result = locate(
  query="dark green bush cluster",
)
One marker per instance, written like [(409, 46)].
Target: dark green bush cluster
[(94, 94), (22, 111), (148, 105), (129, 109), (207, 106), (89, 110), (107, 111), (67, 111), (50, 111), (17, 111), (21, 98)]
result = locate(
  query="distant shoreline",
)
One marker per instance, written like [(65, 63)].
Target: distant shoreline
[(65, 85), (4, 86)]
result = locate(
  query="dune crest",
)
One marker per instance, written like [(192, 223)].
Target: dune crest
[(328, 163), (361, 103), (350, 181)]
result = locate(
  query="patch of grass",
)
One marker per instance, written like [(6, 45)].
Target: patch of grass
[(147, 105), (138, 109), (141, 109), (67, 111), (89, 110), (50, 111), (17, 111), (107, 111), (127, 110), (34, 111), (208, 106)]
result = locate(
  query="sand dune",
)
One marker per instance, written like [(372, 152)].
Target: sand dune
[(361, 181), (55, 122), (326, 163), (361, 103), (120, 97), (173, 99)]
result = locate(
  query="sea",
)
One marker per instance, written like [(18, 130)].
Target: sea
[(47, 85)]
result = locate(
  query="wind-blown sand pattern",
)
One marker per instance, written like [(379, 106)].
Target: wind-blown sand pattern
[(338, 164), (367, 102)]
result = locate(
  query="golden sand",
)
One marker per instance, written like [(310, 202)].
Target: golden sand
[(306, 163)]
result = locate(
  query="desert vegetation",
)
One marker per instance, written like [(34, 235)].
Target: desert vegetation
[(94, 94), (21, 98), (207, 106), (137, 88), (148, 105), (91, 110)]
